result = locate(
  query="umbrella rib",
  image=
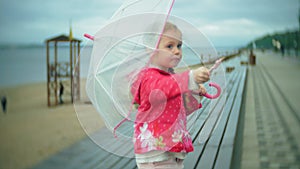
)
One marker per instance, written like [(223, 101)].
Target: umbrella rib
[(123, 8), (119, 109)]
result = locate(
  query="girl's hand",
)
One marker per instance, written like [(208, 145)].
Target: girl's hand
[(202, 89), (201, 75)]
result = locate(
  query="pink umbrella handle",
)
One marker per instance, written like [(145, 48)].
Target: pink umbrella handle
[(216, 65), (88, 36), (218, 91)]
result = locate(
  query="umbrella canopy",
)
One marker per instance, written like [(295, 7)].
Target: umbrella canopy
[(124, 47)]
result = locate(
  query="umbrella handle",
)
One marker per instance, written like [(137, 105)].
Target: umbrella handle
[(215, 85), (216, 65), (88, 36), (218, 91)]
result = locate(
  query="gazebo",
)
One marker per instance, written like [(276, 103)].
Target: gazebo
[(63, 76)]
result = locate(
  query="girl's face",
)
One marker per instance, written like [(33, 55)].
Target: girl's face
[(169, 50)]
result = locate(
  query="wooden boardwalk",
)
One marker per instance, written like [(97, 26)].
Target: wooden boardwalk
[(218, 151), (271, 135)]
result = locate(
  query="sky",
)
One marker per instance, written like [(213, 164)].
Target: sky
[(224, 22)]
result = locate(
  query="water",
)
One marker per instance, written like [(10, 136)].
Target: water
[(22, 65), (25, 65), (28, 65)]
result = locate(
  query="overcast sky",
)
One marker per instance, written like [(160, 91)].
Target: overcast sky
[(225, 22)]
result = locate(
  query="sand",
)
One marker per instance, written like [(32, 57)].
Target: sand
[(31, 132)]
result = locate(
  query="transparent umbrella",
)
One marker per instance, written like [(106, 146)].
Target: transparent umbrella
[(121, 50)]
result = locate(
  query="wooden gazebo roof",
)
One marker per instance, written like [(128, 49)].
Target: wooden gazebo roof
[(56, 71), (62, 38)]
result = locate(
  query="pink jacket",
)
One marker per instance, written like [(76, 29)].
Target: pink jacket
[(160, 123)]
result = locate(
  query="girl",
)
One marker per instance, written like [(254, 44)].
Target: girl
[(161, 139)]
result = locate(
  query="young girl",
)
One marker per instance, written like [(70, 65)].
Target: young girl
[(161, 139)]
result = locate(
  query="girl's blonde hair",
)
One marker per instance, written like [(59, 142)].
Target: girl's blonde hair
[(150, 38), (170, 26)]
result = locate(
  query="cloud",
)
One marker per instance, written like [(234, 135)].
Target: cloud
[(233, 32), (235, 22), (224, 22), (234, 27), (33, 21)]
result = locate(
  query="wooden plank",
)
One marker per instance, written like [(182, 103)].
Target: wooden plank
[(211, 123), (91, 160), (131, 165), (224, 157), (228, 101), (73, 155), (219, 130), (226, 151), (201, 112), (193, 157), (107, 158), (112, 159), (208, 158), (209, 155), (128, 163), (234, 117), (214, 115), (192, 119)]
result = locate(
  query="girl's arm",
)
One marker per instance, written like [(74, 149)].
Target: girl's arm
[(191, 102)]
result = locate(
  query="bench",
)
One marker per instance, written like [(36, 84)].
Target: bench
[(215, 152)]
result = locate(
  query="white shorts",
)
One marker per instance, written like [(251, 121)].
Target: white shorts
[(172, 163)]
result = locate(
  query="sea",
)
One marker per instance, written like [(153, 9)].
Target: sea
[(21, 65)]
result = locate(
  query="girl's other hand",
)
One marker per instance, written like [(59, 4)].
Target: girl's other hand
[(202, 89)]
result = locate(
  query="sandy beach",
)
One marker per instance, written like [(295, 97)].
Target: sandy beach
[(30, 131)]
